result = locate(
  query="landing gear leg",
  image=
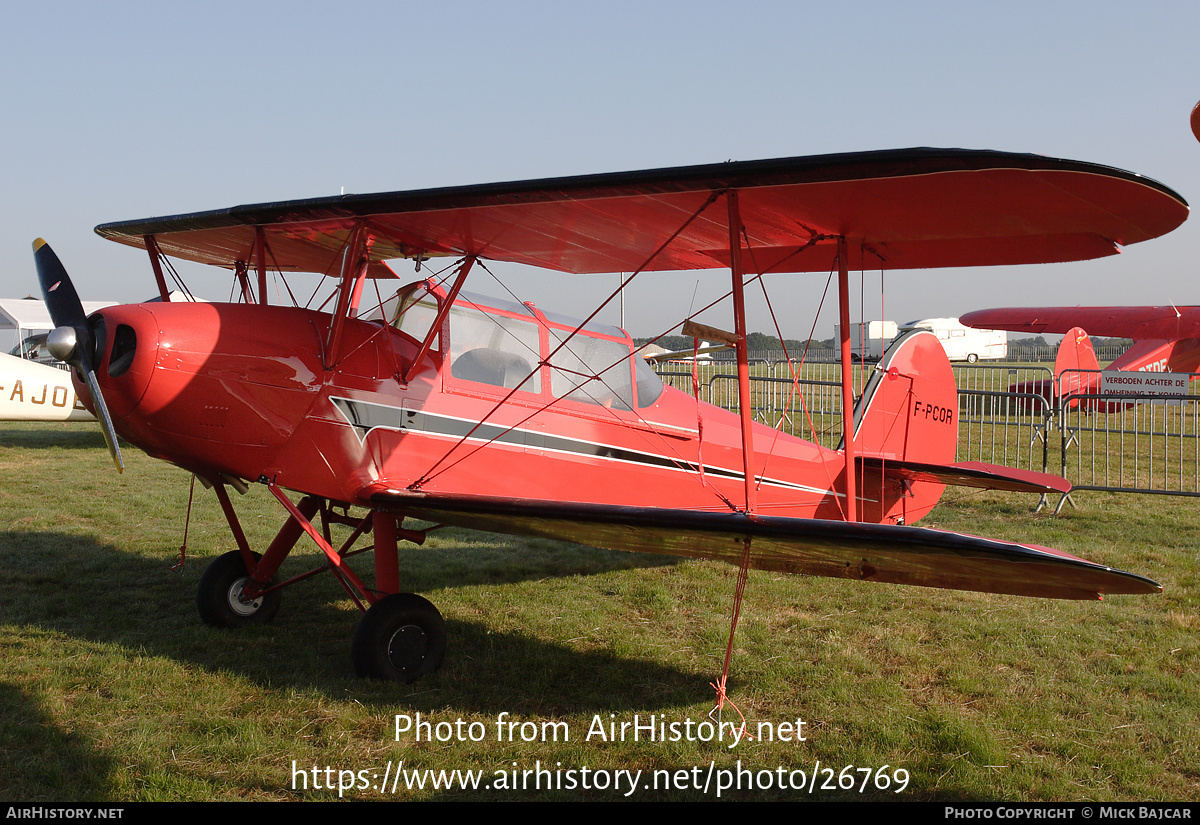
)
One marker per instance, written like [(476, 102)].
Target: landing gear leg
[(402, 636), (221, 596)]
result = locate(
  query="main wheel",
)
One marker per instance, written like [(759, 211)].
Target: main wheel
[(219, 596), (401, 638), (972, 358)]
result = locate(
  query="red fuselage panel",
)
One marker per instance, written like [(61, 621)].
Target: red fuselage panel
[(243, 390)]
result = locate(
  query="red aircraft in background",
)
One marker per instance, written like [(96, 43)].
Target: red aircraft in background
[(432, 404), (1166, 339)]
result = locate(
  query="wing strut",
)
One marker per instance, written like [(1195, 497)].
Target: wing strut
[(355, 257), (260, 263), (847, 378), (156, 265), (239, 272), (435, 328), (743, 359)]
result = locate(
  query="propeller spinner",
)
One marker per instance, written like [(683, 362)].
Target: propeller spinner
[(72, 339)]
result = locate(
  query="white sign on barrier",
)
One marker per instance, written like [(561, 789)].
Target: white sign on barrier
[(1120, 382)]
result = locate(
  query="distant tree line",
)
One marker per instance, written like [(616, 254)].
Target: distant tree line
[(770, 347), (755, 342), (1097, 342)]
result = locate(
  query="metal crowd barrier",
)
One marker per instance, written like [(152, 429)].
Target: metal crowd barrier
[(1128, 443), (1006, 414), (1014, 415), (809, 407), (997, 423)]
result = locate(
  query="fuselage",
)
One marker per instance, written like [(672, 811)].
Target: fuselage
[(1077, 371), (506, 403)]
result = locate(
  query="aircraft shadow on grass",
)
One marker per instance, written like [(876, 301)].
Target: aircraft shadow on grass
[(40, 760), (52, 585)]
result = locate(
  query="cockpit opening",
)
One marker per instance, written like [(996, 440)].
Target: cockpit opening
[(516, 346)]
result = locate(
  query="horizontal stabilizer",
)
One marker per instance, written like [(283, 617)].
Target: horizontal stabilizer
[(848, 550), (969, 474)]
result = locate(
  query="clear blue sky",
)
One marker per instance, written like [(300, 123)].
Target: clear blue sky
[(117, 111)]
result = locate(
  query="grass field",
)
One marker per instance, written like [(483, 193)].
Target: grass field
[(112, 689)]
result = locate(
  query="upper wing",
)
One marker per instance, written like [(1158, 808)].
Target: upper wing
[(1116, 322), (871, 552), (902, 209)]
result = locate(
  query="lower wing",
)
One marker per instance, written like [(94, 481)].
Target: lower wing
[(848, 550)]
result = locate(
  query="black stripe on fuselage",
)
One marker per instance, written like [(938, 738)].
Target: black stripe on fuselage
[(365, 416)]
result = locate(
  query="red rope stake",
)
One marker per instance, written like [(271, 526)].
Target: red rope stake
[(720, 685), (186, 523)]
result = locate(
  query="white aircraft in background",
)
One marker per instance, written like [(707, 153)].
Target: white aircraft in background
[(35, 386), (30, 391)]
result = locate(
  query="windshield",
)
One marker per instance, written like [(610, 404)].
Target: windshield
[(591, 370)]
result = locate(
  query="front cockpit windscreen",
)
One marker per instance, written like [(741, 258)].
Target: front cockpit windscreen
[(413, 310)]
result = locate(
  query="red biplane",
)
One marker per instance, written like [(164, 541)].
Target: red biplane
[(1166, 339), (449, 408)]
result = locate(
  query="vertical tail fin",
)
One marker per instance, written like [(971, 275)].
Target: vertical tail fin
[(908, 412), (909, 407), (1075, 353), (906, 430)]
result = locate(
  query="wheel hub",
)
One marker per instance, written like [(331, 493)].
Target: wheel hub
[(407, 647), (239, 603)]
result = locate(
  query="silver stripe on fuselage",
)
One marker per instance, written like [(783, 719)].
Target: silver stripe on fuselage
[(365, 416)]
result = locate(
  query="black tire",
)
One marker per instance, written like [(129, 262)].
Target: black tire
[(218, 596), (972, 358), (400, 638)]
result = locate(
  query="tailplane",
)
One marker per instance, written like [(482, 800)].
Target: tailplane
[(906, 437)]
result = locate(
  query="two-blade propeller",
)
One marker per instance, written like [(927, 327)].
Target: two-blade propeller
[(71, 340)]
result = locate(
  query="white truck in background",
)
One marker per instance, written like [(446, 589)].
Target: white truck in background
[(965, 343), (868, 340)]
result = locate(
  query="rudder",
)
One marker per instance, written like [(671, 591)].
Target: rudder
[(909, 407), (1075, 366), (908, 412)]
